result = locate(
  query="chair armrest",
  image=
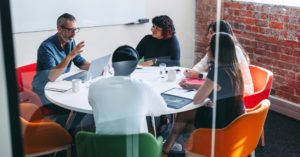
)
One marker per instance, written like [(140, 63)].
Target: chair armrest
[(44, 135)]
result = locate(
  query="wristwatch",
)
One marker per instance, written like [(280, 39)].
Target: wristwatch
[(154, 61), (200, 76)]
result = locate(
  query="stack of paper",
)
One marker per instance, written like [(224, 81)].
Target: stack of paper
[(59, 86)]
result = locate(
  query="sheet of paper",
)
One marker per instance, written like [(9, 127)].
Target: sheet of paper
[(59, 86)]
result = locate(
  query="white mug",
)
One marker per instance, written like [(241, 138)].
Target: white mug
[(76, 83), (172, 75)]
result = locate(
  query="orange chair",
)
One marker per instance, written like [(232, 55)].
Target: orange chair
[(262, 81), (239, 138), (42, 136)]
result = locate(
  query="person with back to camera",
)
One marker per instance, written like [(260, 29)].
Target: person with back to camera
[(229, 98), (120, 103), (201, 67), (162, 46)]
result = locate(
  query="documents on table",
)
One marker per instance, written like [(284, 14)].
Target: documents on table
[(178, 97), (181, 92), (59, 86)]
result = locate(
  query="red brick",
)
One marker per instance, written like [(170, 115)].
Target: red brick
[(275, 55), (295, 99), (290, 43), (263, 16), (249, 14), (298, 92), (287, 89), (292, 27), (275, 48), (237, 12), (283, 94), (236, 5), (276, 25), (261, 37), (276, 17), (261, 23), (273, 39), (237, 32), (226, 4), (249, 28), (250, 7), (255, 29), (262, 30), (286, 19), (249, 21), (288, 58)]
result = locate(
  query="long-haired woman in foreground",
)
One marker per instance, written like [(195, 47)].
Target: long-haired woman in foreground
[(230, 88)]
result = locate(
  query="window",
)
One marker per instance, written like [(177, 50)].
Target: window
[(275, 2)]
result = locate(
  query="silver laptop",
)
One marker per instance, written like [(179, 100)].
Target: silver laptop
[(96, 69)]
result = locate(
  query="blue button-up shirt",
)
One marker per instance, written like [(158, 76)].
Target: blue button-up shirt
[(50, 54)]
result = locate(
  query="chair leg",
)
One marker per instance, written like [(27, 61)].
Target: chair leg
[(262, 138), (69, 151)]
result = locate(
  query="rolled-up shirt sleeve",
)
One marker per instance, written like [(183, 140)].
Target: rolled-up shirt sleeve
[(78, 60)]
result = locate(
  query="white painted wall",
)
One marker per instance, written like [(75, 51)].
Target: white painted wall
[(5, 139), (103, 40)]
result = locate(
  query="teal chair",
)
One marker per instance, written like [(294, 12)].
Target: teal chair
[(90, 144)]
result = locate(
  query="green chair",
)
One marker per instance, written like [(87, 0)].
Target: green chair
[(136, 145)]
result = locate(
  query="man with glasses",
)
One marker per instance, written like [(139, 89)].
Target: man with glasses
[(55, 57)]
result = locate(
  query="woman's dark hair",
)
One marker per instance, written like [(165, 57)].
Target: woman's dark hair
[(166, 23), (228, 60), (226, 27)]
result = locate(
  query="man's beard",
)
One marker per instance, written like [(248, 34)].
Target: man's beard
[(65, 39)]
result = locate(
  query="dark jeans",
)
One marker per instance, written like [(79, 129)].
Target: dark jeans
[(62, 116)]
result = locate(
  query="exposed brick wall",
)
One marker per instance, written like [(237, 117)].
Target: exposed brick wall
[(270, 35)]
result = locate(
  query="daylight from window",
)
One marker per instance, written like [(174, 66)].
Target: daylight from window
[(276, 2)]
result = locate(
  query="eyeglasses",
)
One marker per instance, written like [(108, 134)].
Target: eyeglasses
[(156, 27), (71, 30)]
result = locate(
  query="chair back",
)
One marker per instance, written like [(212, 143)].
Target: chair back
[(262, 81), (25, 75), (239, 138), (136, 145), (40, 135)]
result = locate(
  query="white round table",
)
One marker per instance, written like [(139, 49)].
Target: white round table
[(79, 101)]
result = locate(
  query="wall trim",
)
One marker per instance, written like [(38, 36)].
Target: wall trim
[(285, 107)]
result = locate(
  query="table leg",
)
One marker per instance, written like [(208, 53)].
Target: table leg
[(153, 125)]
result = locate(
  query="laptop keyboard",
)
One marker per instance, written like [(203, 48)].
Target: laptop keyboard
[(81, 75)]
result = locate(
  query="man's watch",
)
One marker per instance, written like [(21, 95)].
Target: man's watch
[(200, 76)]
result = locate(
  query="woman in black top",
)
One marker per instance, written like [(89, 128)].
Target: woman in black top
[(162, 46), (229, 100)]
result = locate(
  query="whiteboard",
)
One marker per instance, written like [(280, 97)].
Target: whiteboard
[(41, 15)]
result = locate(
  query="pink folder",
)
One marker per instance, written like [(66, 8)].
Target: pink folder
[(197, 81)]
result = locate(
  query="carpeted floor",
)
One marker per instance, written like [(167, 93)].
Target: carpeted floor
[(282, 138)]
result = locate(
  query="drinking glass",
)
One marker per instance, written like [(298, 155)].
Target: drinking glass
[(162, 70)]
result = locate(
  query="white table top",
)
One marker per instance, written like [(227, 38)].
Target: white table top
[(79, 101)]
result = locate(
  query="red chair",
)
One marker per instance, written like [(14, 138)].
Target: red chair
[(25, 75), (262, 81)]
